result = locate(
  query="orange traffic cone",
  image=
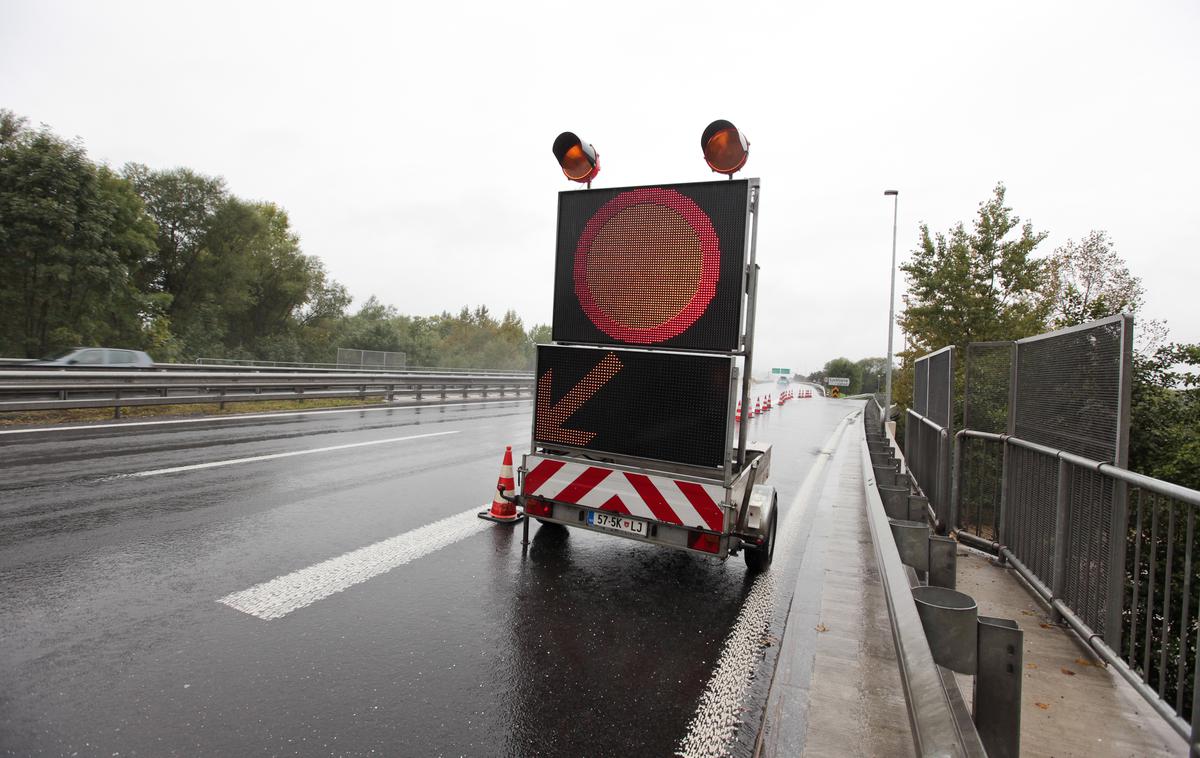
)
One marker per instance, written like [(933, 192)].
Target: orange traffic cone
[(757, 407), (737, 418), (504, 510)]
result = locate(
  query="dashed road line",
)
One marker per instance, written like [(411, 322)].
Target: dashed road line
[(279, 597)]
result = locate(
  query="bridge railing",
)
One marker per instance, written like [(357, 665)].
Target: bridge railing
[(1129, 590), (1039, 477)]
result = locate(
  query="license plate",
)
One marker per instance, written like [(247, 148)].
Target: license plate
[(618, 523)]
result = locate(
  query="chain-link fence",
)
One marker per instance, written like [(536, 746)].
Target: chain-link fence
[(370, 359)]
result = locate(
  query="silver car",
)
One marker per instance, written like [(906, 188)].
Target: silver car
[(99, 356)]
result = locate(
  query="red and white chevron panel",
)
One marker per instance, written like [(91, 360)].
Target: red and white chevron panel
[(659, 498)]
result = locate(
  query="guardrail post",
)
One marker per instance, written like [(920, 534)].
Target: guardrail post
[(391, 392), (1058, 580), (996, 699), (943, 561), (117, 407), (466, 390), (485, 389), (221, 403), (443, 392), (418, 395)]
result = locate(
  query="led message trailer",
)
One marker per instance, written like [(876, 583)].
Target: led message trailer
[(665, 406), (658, 266)]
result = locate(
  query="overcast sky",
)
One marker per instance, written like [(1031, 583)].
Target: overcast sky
[(410, 143)]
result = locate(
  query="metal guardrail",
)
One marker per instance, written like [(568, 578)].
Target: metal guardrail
[(286, 365), (41, 390), (1150, 605), (12, 364), (937, 730)]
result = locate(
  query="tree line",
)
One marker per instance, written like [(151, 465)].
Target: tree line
[(868, 375), (172, 262), (987, 282)]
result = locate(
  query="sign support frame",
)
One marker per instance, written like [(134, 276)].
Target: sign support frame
[(751, 305)]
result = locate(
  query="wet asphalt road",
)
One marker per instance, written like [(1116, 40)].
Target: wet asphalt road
[(112, 640)]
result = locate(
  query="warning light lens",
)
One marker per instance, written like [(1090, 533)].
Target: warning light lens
[(535, 507), (709, 543), (580, 162), (725, 148)]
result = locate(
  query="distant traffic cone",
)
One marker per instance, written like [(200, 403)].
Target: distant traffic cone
[(737, 417), (503, 510), (757, 408)]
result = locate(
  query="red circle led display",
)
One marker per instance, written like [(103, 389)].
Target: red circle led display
[(647, 265)]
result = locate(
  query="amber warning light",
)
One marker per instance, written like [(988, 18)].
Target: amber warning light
[(579, 160), (725, 148)]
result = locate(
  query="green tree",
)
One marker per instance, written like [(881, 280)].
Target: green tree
[(184, 205), (972, 285), (978, 284), (846, 368), (74, 241), (1164, 435), (874, 374)]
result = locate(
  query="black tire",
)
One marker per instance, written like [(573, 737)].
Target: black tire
[(759, 558)]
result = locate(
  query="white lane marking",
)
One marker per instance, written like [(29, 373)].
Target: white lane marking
[(711, 730), (273, 456), (280, 596), (243, 417)]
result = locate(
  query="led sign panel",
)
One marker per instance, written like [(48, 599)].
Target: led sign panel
[(666, 406), (658, 266)]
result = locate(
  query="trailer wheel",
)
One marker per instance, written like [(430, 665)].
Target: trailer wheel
[(759, 558)]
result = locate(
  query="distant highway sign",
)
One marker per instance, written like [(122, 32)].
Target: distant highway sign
[(784, 371), (837, 381)]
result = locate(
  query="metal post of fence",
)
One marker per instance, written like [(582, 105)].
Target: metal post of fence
[(1058, 579), (943, 481), (956, 481), (1115, 595), (1002, 526), (117, 407), (1194, 747)]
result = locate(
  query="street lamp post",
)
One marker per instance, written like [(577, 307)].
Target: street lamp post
[(891, 304)]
